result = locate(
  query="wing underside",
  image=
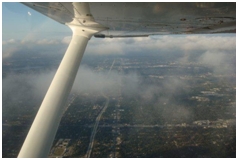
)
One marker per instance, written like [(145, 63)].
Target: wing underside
[(144, 19)]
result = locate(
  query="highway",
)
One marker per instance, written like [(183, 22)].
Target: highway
[(90, 147)]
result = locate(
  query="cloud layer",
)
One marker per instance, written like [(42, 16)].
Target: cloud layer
[(216, 52), (123, 46)]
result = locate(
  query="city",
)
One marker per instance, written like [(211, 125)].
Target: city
[(143, 106)]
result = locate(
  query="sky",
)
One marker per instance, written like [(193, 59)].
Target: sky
[(30, 24)]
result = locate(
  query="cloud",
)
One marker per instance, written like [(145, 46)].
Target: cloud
[(105, 47), (94, 82), (66, 40), (32, 87), (13, 49), (215, 52), (47, 42), (180, 44), (176, 113), (212, 59), (161, 44), (28, 83), (220, 62), (10, 42)]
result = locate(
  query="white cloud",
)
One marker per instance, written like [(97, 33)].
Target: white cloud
[(184, 44), (220, 62), (216, 52), (105, 47), (66, 40), (168, 43), (87, 81), (212, 58), (47, 42), (10, 42)]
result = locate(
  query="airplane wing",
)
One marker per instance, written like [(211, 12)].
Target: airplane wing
[(113, 20), (144, 19)]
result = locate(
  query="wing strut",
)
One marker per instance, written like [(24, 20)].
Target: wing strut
[(42, 132)]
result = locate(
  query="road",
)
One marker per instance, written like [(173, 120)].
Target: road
[(111, 67), (90, 147)]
